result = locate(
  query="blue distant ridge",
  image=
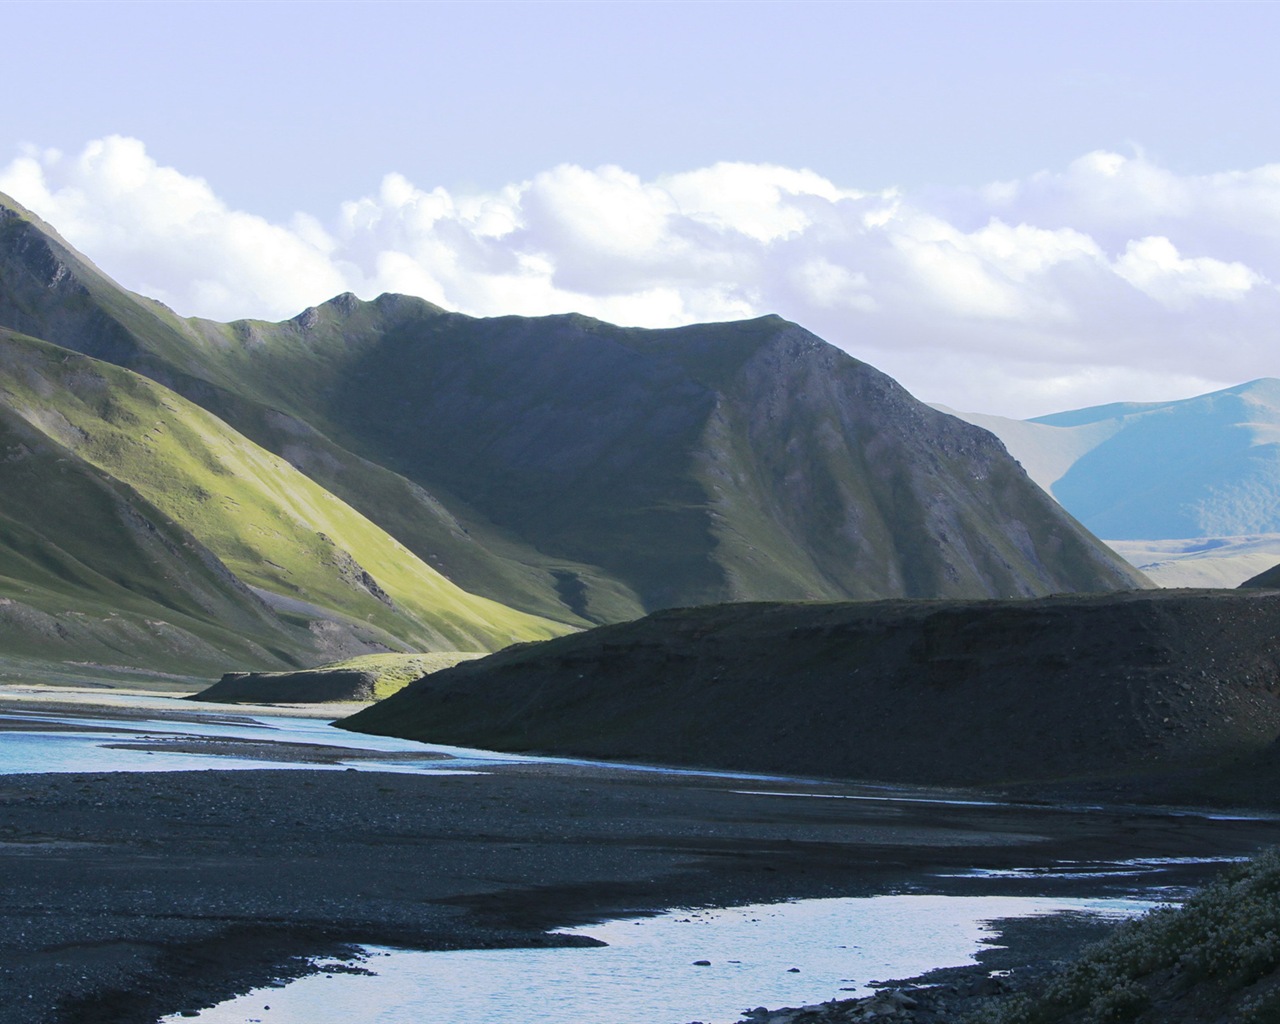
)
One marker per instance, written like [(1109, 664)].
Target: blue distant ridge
[(1207, 466)]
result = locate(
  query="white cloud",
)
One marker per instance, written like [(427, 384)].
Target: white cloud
[(1154, 266), (761, 201), (832, 286), (167, 235), (1064, 288)]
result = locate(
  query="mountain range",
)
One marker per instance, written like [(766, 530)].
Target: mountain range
[(1199, 467), (1189, 489), (389, 475)]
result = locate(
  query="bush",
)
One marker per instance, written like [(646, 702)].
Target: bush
[(1226, 937)]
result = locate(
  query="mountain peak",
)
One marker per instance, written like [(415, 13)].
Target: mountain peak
[(346, 302), (346, 306)]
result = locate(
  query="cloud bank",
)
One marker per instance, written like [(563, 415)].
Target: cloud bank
[(1113, 279)]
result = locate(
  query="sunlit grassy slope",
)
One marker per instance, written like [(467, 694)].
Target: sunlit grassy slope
[(396, 671), (50, 291), (95, 577), (273, 527)]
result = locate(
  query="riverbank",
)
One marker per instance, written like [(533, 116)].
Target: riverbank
[(133, 703), (127, 896)]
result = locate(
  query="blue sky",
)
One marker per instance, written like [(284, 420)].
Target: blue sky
[(1011, 207)]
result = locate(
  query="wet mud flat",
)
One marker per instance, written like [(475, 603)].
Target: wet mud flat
[(125, 896)]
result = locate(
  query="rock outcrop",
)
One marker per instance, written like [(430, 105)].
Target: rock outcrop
[(302, 687)]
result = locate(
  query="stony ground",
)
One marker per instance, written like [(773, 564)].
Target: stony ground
[(125, 896)]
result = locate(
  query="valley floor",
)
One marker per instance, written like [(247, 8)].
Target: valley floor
[(125, 896), (1201, 561)]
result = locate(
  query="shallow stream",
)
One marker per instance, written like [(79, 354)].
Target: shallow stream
[(783, 954), (76, 743)]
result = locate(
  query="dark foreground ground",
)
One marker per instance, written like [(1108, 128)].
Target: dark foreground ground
[(128, 896)]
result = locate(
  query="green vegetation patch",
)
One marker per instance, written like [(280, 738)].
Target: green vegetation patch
[(273, 527), (369, 677), (395, 671), (1217, 957)]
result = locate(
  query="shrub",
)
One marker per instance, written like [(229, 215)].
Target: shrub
[(1226, 936)]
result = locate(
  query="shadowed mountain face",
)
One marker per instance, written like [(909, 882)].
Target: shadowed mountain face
[(708, 463), (1267, 580), (584, 472), (1144, 684)]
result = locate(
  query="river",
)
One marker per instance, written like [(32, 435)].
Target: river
[(708, 964)]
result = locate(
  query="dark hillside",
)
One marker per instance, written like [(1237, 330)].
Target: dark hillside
[(706, 463), (1270, 579), (1065, 688)]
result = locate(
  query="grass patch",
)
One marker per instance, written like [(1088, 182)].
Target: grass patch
[(370, 677), (395, 671), (1215, 957)]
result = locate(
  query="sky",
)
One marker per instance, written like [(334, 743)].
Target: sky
[(1013, 208)]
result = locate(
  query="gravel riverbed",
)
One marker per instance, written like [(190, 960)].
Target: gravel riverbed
[(126, 896)]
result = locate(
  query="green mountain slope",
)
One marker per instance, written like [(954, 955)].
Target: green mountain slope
[(268, 524), (50, 291), (587, 472), (92, 573)]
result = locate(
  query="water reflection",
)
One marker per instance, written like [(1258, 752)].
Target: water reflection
[(35, 741), (650, 971), (31, 743)]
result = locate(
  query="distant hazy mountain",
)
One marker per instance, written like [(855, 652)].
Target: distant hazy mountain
[(566, 469), (1202, 467), (1201, 561)]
